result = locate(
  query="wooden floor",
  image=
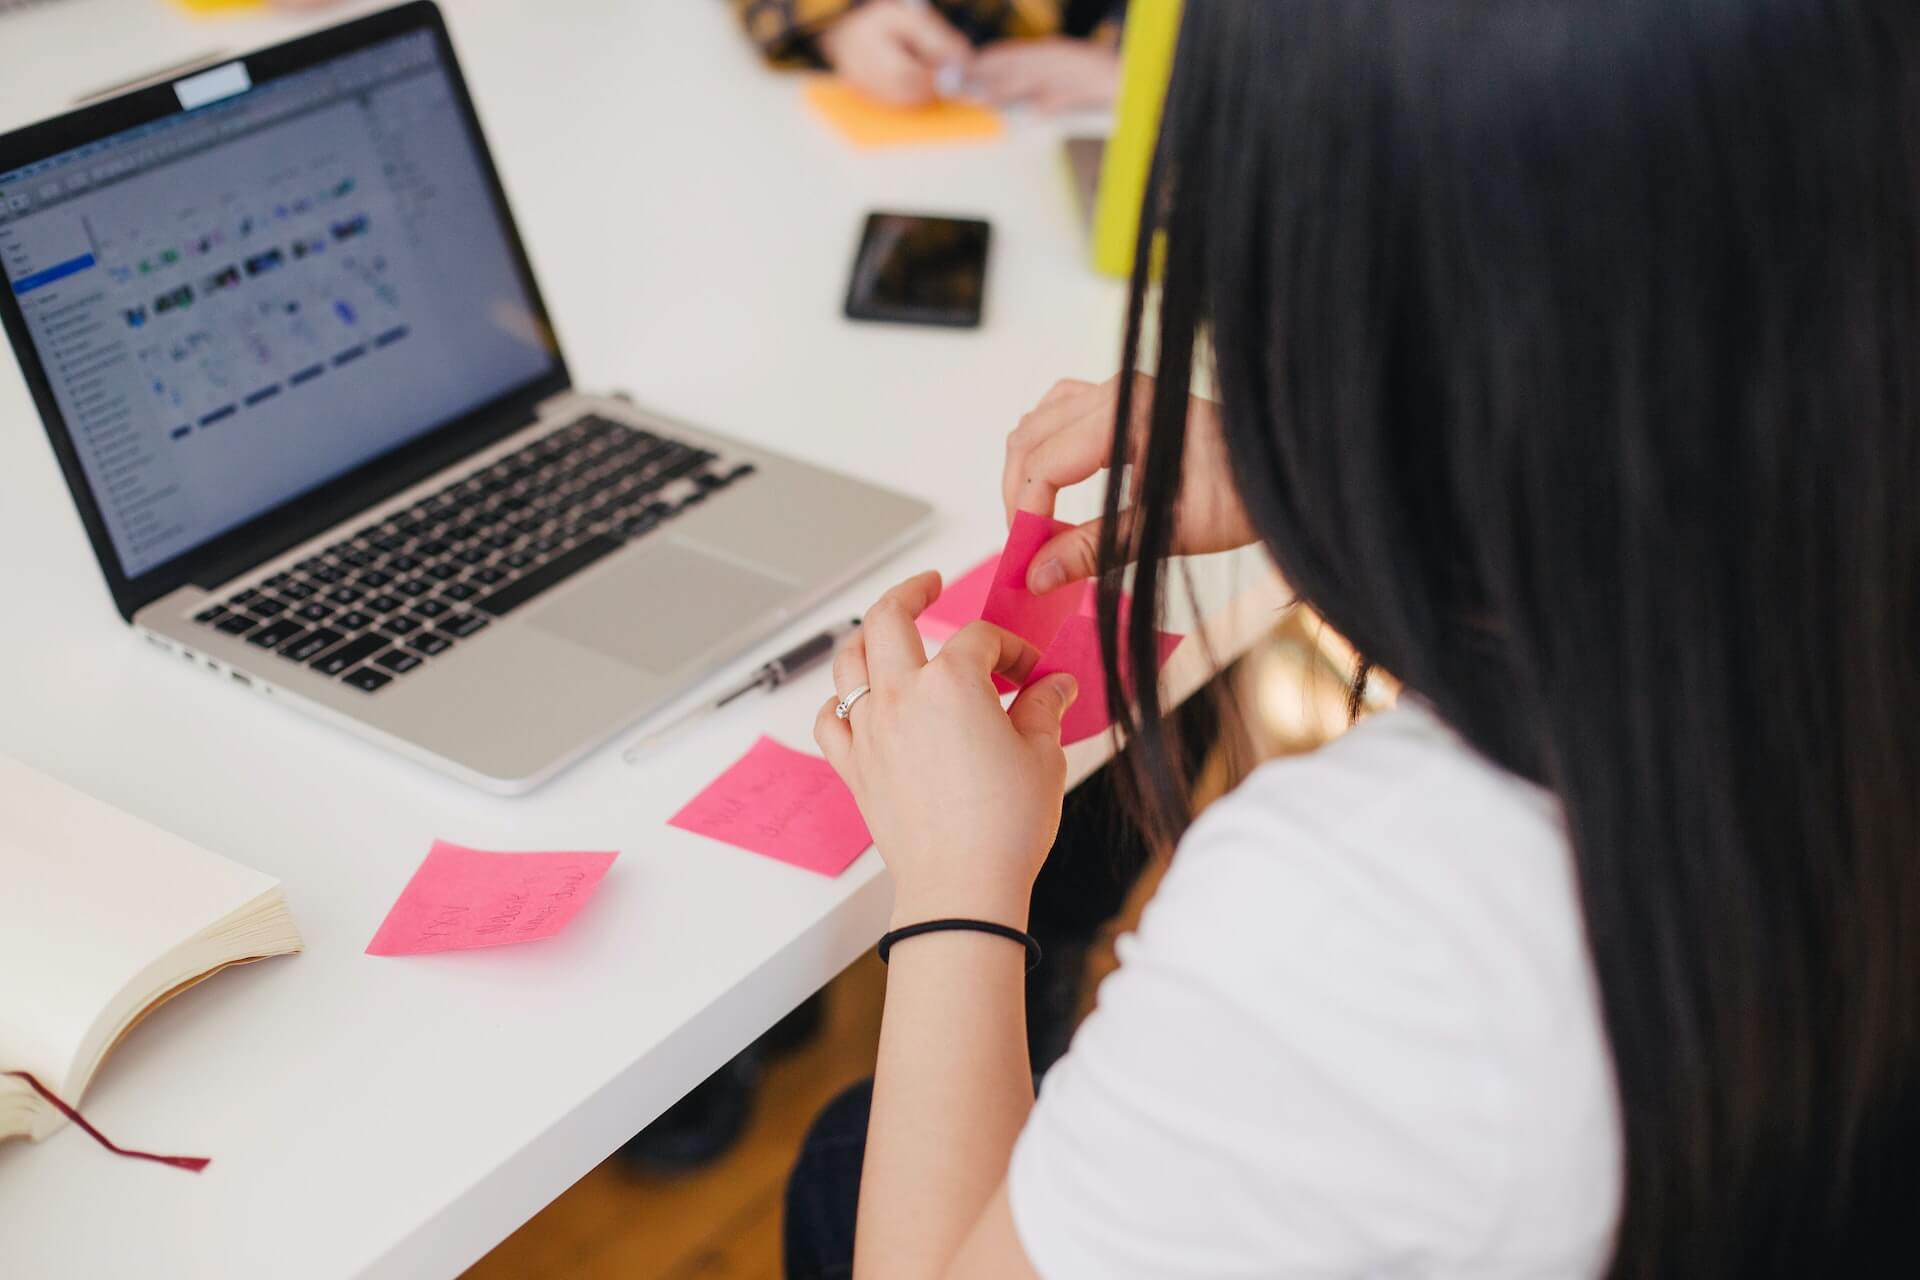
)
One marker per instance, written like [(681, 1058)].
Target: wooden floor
[(723, 1222)]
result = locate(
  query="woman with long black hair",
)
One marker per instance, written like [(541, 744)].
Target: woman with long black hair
[(1568, 357)]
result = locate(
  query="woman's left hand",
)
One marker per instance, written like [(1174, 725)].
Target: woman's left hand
[(963, 798)]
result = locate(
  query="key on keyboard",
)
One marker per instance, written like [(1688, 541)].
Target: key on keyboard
[(493, 540)]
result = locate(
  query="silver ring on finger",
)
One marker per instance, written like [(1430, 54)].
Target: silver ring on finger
[(844, 708)]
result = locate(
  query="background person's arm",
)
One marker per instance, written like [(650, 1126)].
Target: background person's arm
[(1057, 73), (786, 30), (891, 50)]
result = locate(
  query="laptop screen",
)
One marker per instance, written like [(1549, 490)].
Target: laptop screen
[(239, 302)]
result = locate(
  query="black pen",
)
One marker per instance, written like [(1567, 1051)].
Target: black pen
[(798, 660)]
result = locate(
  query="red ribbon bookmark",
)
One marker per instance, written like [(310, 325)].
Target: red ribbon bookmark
[(193, 1164)]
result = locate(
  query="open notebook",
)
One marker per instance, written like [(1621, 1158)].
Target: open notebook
[(102, 918)]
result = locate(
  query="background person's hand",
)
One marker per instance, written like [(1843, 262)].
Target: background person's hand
[(963, 798), (893, 50), (1054, 74), (1068, 437)]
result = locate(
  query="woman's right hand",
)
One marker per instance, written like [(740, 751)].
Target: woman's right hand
[(1069, 437), (893, 50)]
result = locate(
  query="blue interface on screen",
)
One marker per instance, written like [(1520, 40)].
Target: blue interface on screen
[(238, 303)]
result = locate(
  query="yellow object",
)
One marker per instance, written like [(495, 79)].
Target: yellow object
[(866, 123), (218, 6), (1146, 60)]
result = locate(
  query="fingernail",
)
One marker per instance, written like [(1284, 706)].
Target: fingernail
[(1069, 690), (1049, 575)]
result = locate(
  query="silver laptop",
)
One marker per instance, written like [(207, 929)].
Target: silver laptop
[(290, 354)]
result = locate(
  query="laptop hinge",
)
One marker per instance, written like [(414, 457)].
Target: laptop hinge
[(559, 404)]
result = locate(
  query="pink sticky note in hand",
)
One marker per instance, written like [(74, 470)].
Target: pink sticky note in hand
[(462, 898), (1035, 619), (1076, 651), (960, 602), (784, 804)]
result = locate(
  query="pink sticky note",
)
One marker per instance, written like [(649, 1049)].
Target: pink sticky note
[(785, 804), (462, 898), (1035, 619), (1090, 606), (961, 601), (1076, 651)]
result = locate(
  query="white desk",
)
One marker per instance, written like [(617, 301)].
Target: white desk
[(692, 228)]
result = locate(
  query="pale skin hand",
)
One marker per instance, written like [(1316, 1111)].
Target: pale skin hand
[(1068, 437), (963, 799), (893, 51), (1054, 74), (931, 739)]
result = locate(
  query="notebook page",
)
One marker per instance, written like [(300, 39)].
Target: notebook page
[(89, 897)]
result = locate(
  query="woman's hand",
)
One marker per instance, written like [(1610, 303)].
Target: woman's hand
[(1055, 74), (963, 798), (1069, 437), (893, 50)]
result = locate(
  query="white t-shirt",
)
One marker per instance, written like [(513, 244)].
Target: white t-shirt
[(1356, 1034)]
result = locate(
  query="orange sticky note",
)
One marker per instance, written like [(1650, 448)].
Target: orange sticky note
[(218, 6), (462, 898), (784, 804), (867, 123)]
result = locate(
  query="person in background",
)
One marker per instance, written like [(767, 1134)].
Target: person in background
[(1565, 353), (1053, 55)]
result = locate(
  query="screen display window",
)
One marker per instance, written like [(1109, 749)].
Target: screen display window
[(238, 303)]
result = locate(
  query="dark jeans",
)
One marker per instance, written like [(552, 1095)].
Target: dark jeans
[(1094, 863), (823, 1191)]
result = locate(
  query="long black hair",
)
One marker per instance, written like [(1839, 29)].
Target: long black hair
[(1566, 353)]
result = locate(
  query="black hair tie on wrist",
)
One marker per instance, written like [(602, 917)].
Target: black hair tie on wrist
[(1026, 940)]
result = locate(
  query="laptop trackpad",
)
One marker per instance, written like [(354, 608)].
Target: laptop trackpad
[(661, 609)]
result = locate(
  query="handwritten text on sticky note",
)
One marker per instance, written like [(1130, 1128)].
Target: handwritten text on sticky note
[(782, 803), (462, 898)]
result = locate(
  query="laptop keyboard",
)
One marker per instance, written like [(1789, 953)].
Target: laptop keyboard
[(402, 591)]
